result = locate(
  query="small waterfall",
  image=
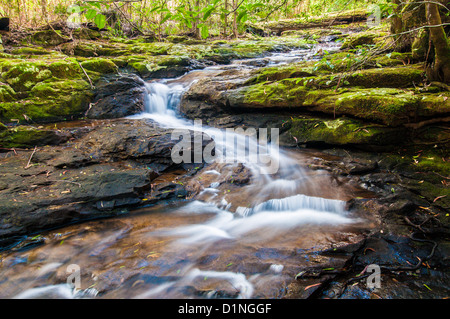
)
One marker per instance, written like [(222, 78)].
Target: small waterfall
[(275, 192), (162, 98), (294, 203)]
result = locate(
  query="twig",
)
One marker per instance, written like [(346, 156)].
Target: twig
[(427, 122), (125, 17), (85, 73), (29, 161), (420, 28)]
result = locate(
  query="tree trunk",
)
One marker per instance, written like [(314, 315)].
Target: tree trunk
[(441, 67), (44, 10), (196, 21), (396, 20), (225, 19), (235, 30)]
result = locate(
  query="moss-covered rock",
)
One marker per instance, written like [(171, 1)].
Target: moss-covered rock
[(355, 40), (49, 38), (399, 77), (177, 38), (31, 51), (94, 49), (392, 59), (7, 94), (277, 73), (340, 132), (66, 69), (49, 101), (392, 77), (22, 76), (286, 93), (100, 65), (28, 136), (388, 106), (156, 48), (328, 19), (86, 34)]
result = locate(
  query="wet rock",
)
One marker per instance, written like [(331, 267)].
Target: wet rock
[(240, 175), (107, 171), (118, 96)]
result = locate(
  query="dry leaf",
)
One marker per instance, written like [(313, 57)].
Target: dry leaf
[(439, 197)]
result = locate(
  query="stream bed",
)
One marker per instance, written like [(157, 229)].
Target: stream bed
[(247, 240)]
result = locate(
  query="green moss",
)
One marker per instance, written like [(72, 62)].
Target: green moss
[(197, 51), (50, 101), (67, 69), (284, 94), (400, 77), (389, 106), (145, 68), (124, 61), (25, 137), (31, 51), (278, 73), (177, 38), (94, 49), (392, 59), (7, 94), (22, 76), (86, 34), (342, 132), (173, 61), (434, 105), (363, 38), (49, 38), (157, 48), (100, 65)]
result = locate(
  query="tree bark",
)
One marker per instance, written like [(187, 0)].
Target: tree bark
[(235, 8), (441, 67), (396, 22), (196, 21), (225, 19)]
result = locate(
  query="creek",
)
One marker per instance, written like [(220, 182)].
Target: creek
[(248, 241)]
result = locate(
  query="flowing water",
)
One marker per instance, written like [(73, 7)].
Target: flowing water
[(247, 241)]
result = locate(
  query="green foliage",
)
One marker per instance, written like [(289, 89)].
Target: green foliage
[(92, 11), (202, 17)]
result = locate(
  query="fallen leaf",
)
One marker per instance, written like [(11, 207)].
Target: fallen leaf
[(427, 287), (301, 273), (439, 197), (311, 286)]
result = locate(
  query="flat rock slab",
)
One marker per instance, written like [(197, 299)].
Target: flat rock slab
[(103, 173)]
